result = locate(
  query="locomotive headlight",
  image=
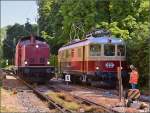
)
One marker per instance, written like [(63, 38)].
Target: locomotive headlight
[(25, 62), (37, 46), (48, 62), (97, 68)]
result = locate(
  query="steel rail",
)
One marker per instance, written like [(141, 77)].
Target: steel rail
[(48, 99), (40, 95), (105, 108)]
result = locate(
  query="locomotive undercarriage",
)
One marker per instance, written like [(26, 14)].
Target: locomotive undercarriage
[(99, 79), (36, 74)]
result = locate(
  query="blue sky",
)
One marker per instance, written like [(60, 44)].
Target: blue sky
[(17, 12)]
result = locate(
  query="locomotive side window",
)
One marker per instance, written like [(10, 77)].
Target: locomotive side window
[(95, 50), (79, 52), (72, 52), (121, 48), (109, 50), (62, 54), (68, 53)]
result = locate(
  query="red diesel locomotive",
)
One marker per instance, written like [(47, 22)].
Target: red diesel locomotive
[(31, 60), (94, 59)]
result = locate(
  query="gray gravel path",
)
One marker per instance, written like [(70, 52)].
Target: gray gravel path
[(31, 103)]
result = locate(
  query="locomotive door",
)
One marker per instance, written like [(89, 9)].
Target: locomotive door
[(19, 57), (83, 60)]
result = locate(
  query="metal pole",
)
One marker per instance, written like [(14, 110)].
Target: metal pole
[(121, 87), (120, 79)]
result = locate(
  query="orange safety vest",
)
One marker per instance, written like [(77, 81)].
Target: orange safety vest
[(134, 77)]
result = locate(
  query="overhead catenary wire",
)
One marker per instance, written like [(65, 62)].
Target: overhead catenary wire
[(75, 31)]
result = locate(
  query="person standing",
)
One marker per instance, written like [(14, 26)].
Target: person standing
[(134, 76)]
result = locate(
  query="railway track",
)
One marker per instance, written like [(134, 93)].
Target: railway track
[(48, 99), (75, 91), (42, 96), (83, 100), (51, 102), (66, 90)]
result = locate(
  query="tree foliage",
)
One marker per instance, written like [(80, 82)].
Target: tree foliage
[(13, 33), (2, 37)]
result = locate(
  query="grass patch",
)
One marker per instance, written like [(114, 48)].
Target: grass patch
[(5, 109), (70, 103), (64, 100)]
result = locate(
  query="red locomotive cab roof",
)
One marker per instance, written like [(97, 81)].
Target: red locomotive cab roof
[(32, 40)]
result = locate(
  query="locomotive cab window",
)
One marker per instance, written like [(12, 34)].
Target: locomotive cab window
[(109, 50), (121, 48), (95, 50), (68, 53), (79, 52), (72, 53)]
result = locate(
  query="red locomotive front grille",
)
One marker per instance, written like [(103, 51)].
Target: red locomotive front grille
[(36, 56)]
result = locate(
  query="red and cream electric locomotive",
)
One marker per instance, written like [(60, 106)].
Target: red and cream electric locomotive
[(94, 59), (31, 60)]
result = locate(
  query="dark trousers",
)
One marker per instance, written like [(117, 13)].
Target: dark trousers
[(133, 86)]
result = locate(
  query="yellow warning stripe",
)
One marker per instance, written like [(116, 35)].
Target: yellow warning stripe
[(137, 96), (130, 92), (134, 94)]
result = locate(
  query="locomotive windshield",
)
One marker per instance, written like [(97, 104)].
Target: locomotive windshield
[(95, 50), (121, 48), (109, 50)]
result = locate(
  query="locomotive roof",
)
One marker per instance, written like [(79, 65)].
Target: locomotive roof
[(26, 40), (36, 37), (90, 40)]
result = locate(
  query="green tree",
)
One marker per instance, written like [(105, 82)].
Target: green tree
[(50, 23), (80, 13), (9, 42), (2, 37), (120, 9), (13, 33)]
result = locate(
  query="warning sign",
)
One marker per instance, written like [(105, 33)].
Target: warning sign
[(67, 78), (133, 94)]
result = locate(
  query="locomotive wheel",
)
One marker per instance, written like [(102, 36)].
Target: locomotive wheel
[(75, 79), (89, 81), (83, 78)]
